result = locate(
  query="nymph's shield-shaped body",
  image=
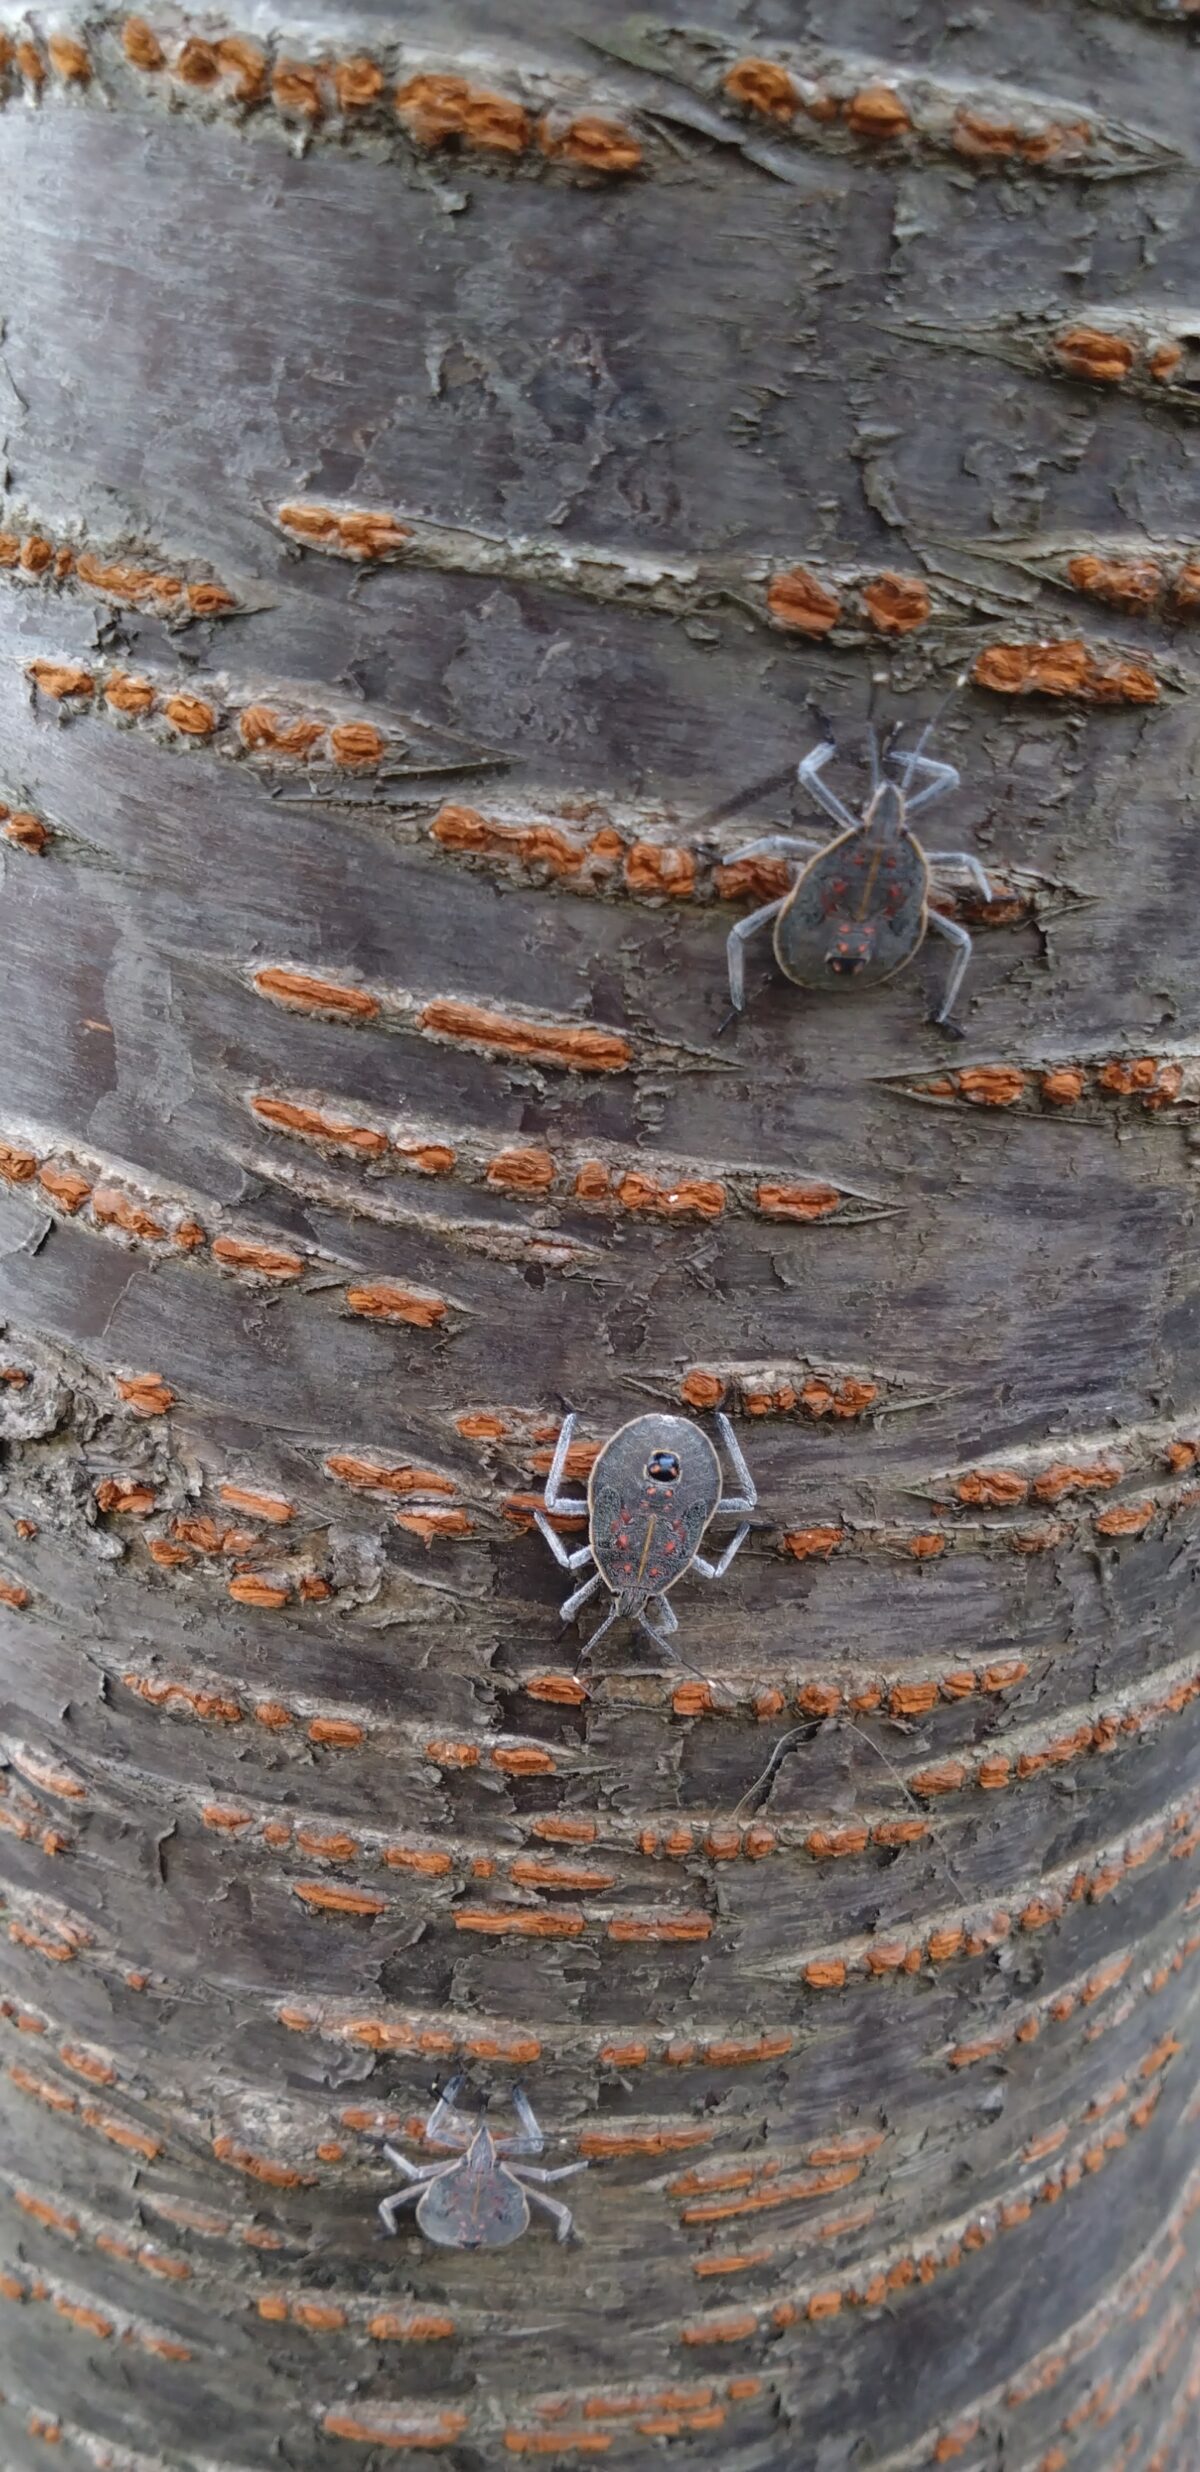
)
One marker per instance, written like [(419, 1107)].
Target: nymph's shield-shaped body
[(474, 2204), (651, 1494), (858, 909)]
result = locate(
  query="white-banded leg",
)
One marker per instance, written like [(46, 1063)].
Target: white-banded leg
[(954, 934), (664, 1636), (565, 2171), (664, 1639), (411, 2171), (809, 772), (776, 845), (613, 1615), (554, 1499), (966, 861), (564, 2220), (390, 2207), (670, 1624), (570, 1605), (446, 2125), (566, 1561), (735, 942), (939, 779), (717, 1570), (730, 1505), (418, 2176), (529, 2138), (749, 797)]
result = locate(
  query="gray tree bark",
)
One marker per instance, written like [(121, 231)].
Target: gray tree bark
[(447, 458)]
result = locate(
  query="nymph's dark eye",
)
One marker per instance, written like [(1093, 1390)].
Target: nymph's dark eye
[(663, 1467)]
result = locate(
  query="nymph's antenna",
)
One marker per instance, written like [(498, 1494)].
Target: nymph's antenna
[(748, 797), (879, 678), (936, 715)]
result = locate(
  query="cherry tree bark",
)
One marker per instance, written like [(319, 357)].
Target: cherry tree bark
[(448, 456)]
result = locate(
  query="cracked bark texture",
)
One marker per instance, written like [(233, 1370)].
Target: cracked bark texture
[(363, 1106)]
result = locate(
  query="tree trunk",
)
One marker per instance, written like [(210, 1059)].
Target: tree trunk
[(444, 466)]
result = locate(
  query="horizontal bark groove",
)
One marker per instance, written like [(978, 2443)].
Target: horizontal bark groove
[(30, 555), (178, 714), (1147, 352), (416, 102), (806, 92), (811, 601)]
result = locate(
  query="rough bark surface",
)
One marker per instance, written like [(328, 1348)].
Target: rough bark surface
[(445, 459)]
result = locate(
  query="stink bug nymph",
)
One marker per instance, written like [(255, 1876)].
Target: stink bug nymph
[(480, 2197), (858, 907), (651, 1494)]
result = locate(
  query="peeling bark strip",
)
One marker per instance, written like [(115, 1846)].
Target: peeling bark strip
[(84, 2229), (317, 1567), (270, 730), (809, 602), (103, 1199), (591, 1854), (207, 1699), (588, 2420), (942, 1943), (518, 1033), (845, 603), (1129, 2302), (943, 2253), (759, 2192), (1151, 352), (616, 850), (1088, 1090), (29, 555), (78, 2310), (1049, 1472), (808, 1390), (491, 1239), (1125, 571), (1091, 674), (641, 1185), (1122, 1521), (418, 102), (629, 857), (847, 103)]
